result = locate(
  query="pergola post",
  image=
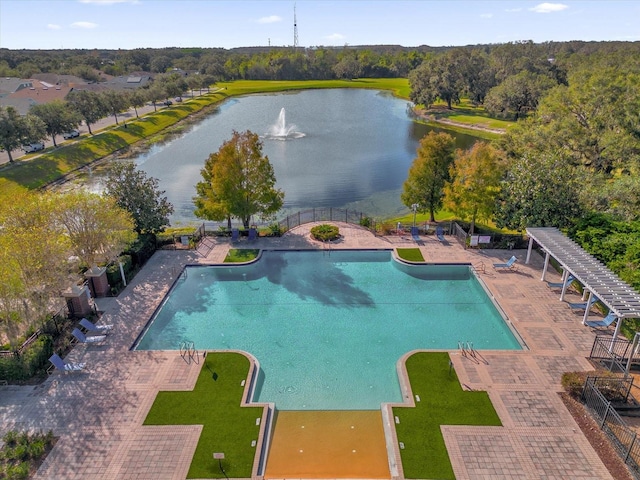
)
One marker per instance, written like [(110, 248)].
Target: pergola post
[(546, 264), (565, 277), (615, 334), (529, 248), (587, 309)]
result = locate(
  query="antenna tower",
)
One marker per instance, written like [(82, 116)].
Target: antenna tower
[(295, 28)]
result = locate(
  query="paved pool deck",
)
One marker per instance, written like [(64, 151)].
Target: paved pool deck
[(98, 415)]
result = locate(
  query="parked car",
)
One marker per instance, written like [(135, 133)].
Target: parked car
[(33, 147), (167, 102), (178, 99), (71, 134)]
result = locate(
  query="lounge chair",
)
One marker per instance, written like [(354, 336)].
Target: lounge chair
[(253, 233), (415, 234), (583, 305), (570, 280), (605, 322), (440, 234), (235, 233), (82, 338), (63, 366), (508, 265), (93, 329)]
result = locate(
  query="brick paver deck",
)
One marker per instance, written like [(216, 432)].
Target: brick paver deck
[(98, 415)]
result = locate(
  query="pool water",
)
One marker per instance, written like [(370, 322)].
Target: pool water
[(328, 327)]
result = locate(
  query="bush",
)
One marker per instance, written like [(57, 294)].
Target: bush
[(365, 222), (275, 230), (23, 452), (325, 232), (32, 361), (573, 382), (113, 271), (142, 249)]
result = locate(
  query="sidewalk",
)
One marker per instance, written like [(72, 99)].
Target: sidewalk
[(98, 415)]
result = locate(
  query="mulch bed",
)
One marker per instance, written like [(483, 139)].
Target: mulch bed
[(597, 438)]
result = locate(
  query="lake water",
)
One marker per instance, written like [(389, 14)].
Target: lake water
[(354, 150)]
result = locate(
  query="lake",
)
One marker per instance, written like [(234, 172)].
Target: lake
[(349, 148)]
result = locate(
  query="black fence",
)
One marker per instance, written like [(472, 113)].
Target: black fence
[(327, 215), (625, 440), (613, 353)]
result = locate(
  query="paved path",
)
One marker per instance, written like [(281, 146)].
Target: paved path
[(98, 415)]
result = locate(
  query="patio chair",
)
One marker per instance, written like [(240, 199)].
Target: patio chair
[(605, 322), (508, 265), (583, 305), (415, 234), (570, 280), (440, 234), (93, 329), (93, 339), (235, 234), (63, 366), (253, 234)]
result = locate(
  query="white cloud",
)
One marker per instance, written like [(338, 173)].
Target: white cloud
[(270, 19), (549, 7), (334, 37), (53, 26), (84, 25), (486, 15)]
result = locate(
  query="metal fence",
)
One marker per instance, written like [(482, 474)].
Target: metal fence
[(327, 215), (622, 437), (612, 353)]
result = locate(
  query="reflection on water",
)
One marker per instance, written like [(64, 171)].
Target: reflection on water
[(355, 153)]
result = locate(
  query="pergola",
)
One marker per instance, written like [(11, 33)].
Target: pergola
[(621, 299)]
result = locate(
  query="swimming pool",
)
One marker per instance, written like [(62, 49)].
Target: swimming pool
[(328, 327)]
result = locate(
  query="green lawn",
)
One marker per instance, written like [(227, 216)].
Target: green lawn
[(442, 402), (410, 254), (241, 255), (215, 404)]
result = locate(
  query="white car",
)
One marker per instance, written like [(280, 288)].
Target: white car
[(71, 134), (33, 147)]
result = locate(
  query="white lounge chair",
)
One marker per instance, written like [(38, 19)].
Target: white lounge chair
[(94, 329), (570, 280), (82, 338), (605, 322), (583, 305), (63, 366)]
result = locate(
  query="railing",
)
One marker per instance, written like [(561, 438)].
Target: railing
[(611, 353), (622, 437), (189, 353), (459, 233), (326, 215)]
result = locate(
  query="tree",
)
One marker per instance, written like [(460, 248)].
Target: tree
[(475, 183), (518, 94), (89, 104), (139, 195), (57, 116), (348, 67), (34, 263), (238, 181), (438, 77), (428, 173), (115, 102), (96, 226), (137, 99), (17, 130), (538, 191)]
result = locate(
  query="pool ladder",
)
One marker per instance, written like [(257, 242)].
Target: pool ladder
[(189, 353)]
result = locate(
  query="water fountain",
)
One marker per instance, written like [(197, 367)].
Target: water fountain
[(281, 131)]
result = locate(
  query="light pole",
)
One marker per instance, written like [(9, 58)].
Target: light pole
[(415, 207), (220, 456)]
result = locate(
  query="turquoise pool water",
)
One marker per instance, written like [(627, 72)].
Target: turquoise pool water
[(328, 327)]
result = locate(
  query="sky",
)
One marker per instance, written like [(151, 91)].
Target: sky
[(128, 24)]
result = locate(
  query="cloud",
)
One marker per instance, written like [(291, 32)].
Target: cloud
[(549, 7), (107, 2), (53, 26), (486, 15), (270, 19), (334, 37), (86, 25)]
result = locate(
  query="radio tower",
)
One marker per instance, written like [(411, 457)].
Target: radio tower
[(295, 28)]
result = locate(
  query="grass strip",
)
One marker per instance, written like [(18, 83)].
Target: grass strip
[(410, 254), (215, 404), (442, 402), (241, 255)]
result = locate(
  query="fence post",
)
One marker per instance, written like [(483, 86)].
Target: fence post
[(346, 215), (626, 457), (314, 214)]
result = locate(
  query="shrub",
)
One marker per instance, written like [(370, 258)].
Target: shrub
[(325, 232), (30, 363), (365, 222), (573, 382), (275, 230)]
